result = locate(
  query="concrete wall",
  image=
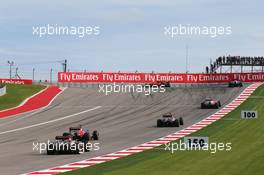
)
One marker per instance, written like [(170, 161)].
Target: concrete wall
[(2, 91)]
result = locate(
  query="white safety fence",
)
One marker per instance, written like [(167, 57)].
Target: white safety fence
[(2, 90)]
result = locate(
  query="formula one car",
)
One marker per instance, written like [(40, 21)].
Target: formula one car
[(71, 142), (235, 83), (165, 84), (161, 83), (65, 145), (209, 103), (169, 121), (79, 134)]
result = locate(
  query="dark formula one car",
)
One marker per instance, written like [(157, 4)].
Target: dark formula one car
[(235, 83), (161, 83), (209, 103), (165, 84), (169, 121)]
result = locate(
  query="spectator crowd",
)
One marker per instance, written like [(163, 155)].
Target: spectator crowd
[(235, 60)]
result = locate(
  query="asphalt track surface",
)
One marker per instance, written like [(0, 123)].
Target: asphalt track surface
[(123, 121)]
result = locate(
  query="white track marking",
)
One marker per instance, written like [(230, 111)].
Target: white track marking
[(20, 118), (51, 121)]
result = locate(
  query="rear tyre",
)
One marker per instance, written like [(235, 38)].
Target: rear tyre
[(51, 150), (86, 137), (77, 151), (176, 123), (159, 123), (86, 146), (95, 135), (181, 121)]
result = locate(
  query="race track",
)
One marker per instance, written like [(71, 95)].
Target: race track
[(123, 120)]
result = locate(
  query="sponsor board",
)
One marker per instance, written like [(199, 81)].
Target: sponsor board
[(196, 141), (15, 81), (110, 77), (249, 114)]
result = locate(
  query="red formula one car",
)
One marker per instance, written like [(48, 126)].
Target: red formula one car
[(71, 142), (209, 103), (79, 133)]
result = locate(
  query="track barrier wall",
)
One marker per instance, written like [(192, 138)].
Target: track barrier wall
[(15, 81), (110, 77)]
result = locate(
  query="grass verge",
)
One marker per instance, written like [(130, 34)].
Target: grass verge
[(16, 94)]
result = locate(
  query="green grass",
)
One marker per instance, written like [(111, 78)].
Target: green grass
[(245, 158), (16, 94)]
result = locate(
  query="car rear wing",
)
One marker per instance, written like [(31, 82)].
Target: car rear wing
[(75, 128), (62, 137)]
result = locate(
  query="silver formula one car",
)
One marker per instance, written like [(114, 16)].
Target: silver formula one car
[(169, 121)]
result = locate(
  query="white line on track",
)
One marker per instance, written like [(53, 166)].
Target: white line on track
[(21, 118), (51, 121)]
